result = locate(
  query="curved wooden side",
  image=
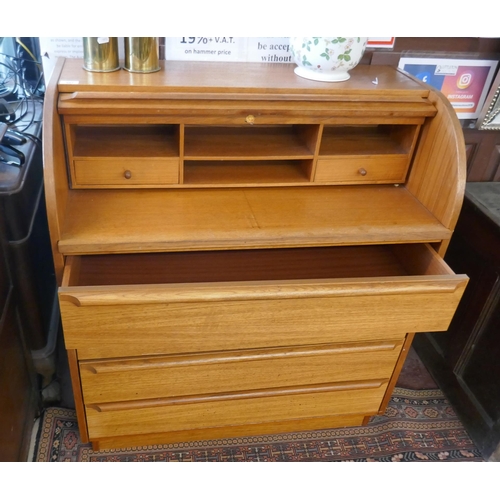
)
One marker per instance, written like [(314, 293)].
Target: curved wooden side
[(54, 161), (438, 175)]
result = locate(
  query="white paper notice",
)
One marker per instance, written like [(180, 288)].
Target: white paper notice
[(226, 48), (52, 48)]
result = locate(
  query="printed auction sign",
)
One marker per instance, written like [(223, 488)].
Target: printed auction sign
[(253, 49), (465, 82), (226, 48)]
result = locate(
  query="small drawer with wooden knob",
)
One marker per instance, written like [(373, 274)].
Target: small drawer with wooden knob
[(111, 173), (382, 169)]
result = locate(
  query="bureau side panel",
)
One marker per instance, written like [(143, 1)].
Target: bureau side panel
[(55, 173), (438, 173)]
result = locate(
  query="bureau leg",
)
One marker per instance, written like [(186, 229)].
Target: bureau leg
[(77, 392), (397, 370)]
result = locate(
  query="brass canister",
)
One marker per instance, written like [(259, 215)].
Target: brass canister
[(100, 54), (142, 54)]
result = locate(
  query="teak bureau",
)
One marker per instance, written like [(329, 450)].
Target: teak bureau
[(243, 251)]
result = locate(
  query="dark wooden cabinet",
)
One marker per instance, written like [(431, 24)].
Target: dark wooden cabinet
[(27, 292), (483, 155), (18, 397), (465, 360)]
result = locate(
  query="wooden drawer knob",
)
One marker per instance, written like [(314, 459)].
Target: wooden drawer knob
[(127, 174), (250, 119), (362, 171)]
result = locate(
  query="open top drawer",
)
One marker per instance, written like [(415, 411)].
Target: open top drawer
[(167, 303)]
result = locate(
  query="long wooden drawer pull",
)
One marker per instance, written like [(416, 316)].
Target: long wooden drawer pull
[(205, 398), (204, 292), (158, 362)]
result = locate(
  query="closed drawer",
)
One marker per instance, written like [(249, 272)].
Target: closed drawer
[(178, 414), (145, 304), (362, 169), (151, 377), (108, 173)]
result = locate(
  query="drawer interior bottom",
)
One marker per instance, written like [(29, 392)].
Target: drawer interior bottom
[(255, 265)]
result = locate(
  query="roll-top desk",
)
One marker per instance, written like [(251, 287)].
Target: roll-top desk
[(241, 251)]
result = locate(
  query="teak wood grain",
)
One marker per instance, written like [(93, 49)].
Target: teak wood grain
[(120, 221), (397, 370), (166, 377), (55, 173), (228, 431), (440, 186), (248, 265), (359, 169), (195, 79), (265, 409), (165, 327), (249, 173), (141, 141), (168, 318), (235, 143), (372, 140), (128, 173), (77, 394), (280, 240)]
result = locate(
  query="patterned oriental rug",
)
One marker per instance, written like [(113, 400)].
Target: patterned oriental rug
[(418, 426)]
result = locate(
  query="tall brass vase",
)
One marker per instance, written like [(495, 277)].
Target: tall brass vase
[(142, 54), (100, 54)]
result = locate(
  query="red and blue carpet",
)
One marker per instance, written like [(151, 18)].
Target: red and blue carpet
[(418, 426)]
